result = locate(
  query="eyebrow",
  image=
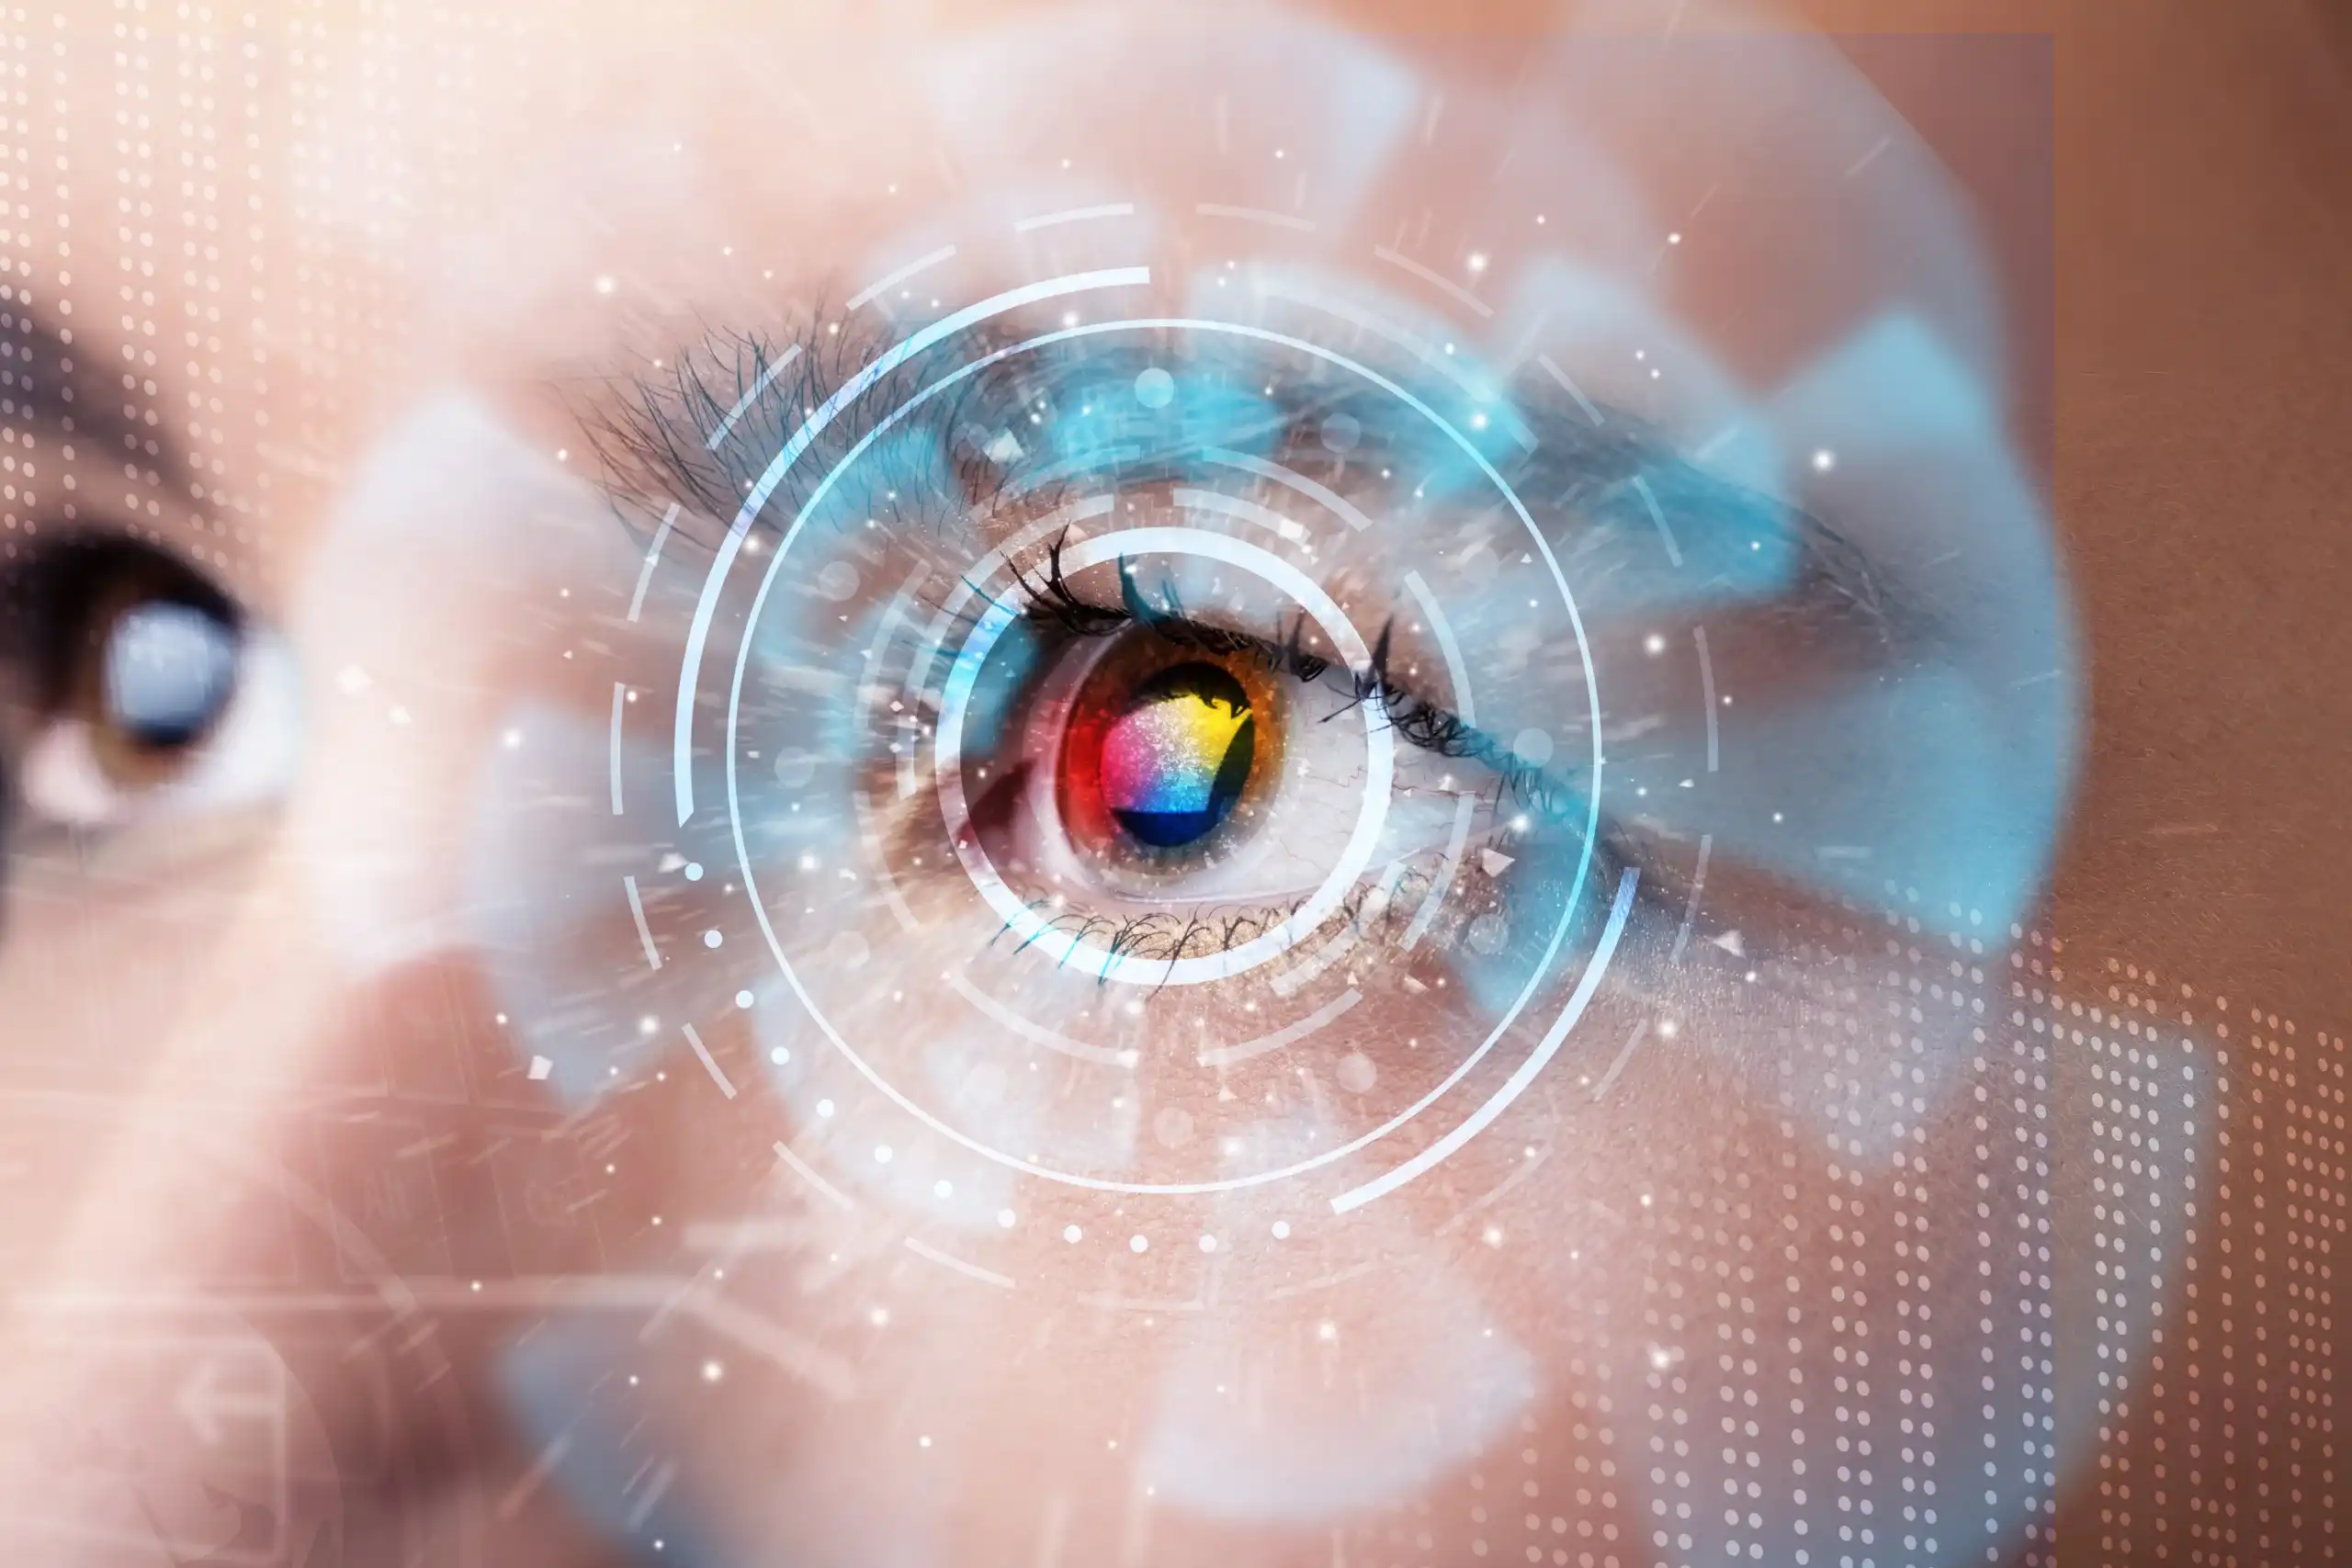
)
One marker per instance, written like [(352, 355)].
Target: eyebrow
[(53, 383)]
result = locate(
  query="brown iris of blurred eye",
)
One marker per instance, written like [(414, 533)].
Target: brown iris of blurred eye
[(128, 641)]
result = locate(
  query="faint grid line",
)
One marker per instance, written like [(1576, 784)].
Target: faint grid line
[(709, 1062), (882, 286), (644, 932), (652, 558)]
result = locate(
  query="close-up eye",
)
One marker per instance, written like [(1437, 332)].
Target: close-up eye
[(134, 684), (1174, 782)]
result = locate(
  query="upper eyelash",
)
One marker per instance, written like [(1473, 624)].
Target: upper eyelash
[(1420, 723)]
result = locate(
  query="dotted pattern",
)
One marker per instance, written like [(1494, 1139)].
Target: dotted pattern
[(2087, 1298)]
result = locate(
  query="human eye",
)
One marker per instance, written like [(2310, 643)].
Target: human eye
[(1165, 737), (134, 687)]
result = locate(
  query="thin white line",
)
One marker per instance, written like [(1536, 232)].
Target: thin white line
[(1442, 630), (1464, 807), (881, 285), (1073, 215), (1691, 905), (644, 932), (1452, 367), (1641, 1030), (1707, 691), (1338, 505), (652, 558), (1326, 1282), (807, 1173), (1546, 1049), (750, 395), (1291, 981), (1435, 280), (620, 696), (1657, 515), (1289, 529), (971, 1271), (1569, 386), (655, 1490), (1005, 1017), (709, 1062), (1502, 1189), (1254, 215), (1867, 159), (1225, 1055)]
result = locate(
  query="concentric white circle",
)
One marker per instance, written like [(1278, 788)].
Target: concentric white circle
[(881, 1081)]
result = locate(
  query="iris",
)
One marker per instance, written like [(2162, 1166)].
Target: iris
[(1177, 758)]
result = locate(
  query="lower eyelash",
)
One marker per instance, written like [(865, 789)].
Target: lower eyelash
[(1162, 936)]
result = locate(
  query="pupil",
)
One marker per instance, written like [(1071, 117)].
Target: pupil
[(1178, 757)]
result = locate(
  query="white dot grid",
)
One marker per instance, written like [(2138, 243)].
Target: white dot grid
[(1900, 1435)]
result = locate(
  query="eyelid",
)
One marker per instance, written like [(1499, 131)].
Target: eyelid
[(1429, 726)]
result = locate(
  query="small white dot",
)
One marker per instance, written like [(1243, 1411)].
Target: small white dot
[(824, 1108), (1654, 644), (712, 938), (1282, 1230), (1006, 1218), (1072, 1234), (943, 1188), (1824, 460), (881, 1153), (712, 1371), (1208, 1243), (742, 999), (779, 1055), (694, 871), (1138, 1244)]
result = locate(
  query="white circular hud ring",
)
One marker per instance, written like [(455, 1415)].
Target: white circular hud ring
[(1065, 947)]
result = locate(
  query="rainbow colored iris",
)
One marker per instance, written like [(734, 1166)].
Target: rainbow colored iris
[(1177, 760)]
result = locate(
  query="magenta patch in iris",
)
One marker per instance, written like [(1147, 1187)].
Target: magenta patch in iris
[(1174, 763)]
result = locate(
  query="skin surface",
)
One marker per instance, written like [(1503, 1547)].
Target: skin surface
[(189, 994)]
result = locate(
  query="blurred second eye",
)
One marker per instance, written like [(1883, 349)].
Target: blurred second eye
[(133, 682)]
